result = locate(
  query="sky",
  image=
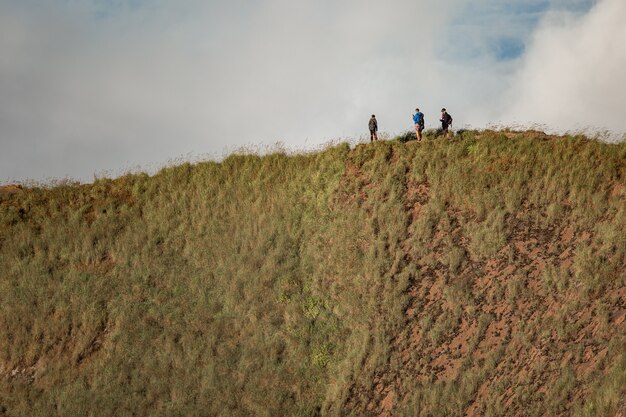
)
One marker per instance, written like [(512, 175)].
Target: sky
[(92, 88)]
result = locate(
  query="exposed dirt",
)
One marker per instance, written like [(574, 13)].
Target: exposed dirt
[(618, 190), (10, 189), (507, 294)]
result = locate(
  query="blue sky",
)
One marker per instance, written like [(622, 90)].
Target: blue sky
[(101, 86), (499, 29)]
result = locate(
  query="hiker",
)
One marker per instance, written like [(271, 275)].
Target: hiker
[(373, 125), (418, 121), (446, 121)]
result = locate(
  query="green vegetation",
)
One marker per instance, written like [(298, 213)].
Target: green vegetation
[(483, 275)]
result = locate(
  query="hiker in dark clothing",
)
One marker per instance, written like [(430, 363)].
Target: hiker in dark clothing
[(373, 125), (446, 121)]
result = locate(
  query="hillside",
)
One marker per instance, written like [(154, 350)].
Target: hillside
[(483, 276)]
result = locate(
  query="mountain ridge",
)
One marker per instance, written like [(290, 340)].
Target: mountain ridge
[(482, 275)]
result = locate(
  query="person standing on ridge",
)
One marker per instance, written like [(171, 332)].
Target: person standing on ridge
[(446, 121), (373, 125), (418, 121)]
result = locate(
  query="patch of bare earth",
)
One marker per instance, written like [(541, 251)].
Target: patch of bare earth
[(10, 189), (495, 323)]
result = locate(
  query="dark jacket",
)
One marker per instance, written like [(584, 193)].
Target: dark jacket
[(373, 125), (446, 120)]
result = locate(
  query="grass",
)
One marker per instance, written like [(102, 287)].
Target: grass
[(282, 285)]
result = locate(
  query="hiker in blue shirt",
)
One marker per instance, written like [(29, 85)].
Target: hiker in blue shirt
[(418, 121)]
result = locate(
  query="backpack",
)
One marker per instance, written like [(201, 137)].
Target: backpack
[(448, 119)]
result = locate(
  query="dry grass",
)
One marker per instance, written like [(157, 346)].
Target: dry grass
[(482, 275)]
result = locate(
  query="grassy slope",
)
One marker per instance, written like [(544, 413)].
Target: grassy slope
[(481, 276)]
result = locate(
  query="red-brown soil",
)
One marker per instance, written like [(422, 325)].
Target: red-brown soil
[(524, 364)]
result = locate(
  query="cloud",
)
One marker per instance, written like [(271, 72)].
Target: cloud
[(88, 87), (94, 85), (573, 74)]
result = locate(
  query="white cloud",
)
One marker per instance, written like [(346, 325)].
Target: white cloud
[(87, 86), (574, 73)]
